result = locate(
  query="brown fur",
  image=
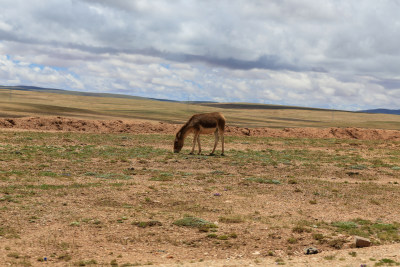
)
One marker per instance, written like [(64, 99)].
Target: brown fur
[(205, 123)]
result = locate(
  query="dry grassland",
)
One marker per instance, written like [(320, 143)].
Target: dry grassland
[(26, 104), (76, 199), (84, 192)]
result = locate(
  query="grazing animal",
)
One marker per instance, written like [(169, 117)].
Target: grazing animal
[(205, 123)]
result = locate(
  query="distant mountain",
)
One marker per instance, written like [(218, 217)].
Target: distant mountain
[(67, 92), (382, 111), (256, 106)]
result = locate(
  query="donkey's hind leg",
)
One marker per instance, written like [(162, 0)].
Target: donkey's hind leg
[(222, 141), (215, 143)]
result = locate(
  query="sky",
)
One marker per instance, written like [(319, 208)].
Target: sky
[(340, 54)]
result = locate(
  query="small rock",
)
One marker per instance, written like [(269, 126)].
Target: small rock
[(362, 242), (311, 250)]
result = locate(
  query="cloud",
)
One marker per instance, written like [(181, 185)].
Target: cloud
[(14, 72), (298, 52)]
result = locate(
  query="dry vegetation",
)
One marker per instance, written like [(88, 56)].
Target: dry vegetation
[(26, 104), (109, 196), (86, 198)]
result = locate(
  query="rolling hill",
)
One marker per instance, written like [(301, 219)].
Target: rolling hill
[(29, 101)]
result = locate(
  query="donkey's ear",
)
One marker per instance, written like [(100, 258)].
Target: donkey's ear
[(178, 135)]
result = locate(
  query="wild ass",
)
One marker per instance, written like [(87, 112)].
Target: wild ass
[(205, 123)]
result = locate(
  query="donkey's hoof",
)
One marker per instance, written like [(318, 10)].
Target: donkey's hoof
[(211, 154), (222, 154), (191, 153)]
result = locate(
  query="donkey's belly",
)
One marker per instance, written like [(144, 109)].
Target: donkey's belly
[(204, 130)]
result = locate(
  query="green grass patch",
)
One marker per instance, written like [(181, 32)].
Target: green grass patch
[(381, 231), (263, 180), (162, 177), (145, 224), (231, 219), (345, 225), (8, 232), (194, 222), (112, 176), (48, 174), (387, 262)]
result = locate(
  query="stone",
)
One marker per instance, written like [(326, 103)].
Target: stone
[(310, 250), (362, 242)]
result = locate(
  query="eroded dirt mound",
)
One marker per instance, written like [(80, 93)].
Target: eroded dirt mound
[(77, 125), (137, 127), (333, 132)]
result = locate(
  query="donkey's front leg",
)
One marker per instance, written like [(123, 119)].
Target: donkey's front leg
[(196, 136), (198, 142)]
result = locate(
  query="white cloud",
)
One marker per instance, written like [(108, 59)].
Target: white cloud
[(299, 52), (18, 72)]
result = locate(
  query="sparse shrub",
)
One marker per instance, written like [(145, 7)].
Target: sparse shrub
[(374, 202), (65, 257), (387, 262), (147, 224), (75, 223), (48, 173), (337, 243), (194, 222), (223, 237), (231, 219), (204, 229), (162, 177), (280, 261), (318, 236), (300, 229), (358, 167), (13, 255), (353, 253), (263, 181), (329, 257), (212, 235), (233, 235)]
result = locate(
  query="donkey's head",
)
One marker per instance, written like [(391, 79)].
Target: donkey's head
[(178, 143)]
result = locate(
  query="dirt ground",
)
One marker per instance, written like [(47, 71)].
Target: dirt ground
[(140, 127), (85, 193)]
